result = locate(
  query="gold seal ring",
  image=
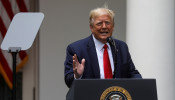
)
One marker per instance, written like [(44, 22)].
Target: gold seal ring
[(115, 93)]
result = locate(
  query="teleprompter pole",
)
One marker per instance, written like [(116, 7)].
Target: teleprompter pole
[(14, 51)]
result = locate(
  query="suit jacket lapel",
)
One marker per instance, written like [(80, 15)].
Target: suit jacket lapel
[(93, 57)]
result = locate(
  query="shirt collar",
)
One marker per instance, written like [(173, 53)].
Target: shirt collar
[(99, 45)]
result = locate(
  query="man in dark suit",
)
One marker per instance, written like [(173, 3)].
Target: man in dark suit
[(86, 58)]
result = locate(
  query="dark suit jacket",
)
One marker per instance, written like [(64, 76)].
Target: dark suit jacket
[(85, 48)]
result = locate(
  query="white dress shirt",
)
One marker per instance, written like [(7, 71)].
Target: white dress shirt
[(99, 50)]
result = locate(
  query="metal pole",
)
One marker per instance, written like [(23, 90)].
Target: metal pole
[(14, 76)]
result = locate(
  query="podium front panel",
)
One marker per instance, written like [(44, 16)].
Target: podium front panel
[(103, 89)]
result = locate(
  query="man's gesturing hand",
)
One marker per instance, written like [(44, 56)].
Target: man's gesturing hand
[(77, 67)]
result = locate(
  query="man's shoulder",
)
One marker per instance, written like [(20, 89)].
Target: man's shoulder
[(120, 42), (81, 42)]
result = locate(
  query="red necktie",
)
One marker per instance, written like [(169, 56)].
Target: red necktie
[(106, 63)]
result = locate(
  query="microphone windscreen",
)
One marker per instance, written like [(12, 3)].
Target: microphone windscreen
[(109, 39)]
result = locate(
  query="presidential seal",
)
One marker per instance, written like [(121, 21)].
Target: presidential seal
[(115, 93)]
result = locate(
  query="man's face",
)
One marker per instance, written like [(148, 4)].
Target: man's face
[(102, 27)]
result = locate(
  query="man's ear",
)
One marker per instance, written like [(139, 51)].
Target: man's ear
[(91, 27)]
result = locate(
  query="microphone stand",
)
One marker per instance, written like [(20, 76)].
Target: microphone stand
[(115, 58), (112, 43)]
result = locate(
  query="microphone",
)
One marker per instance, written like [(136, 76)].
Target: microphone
[(112, 43), (109, 40)]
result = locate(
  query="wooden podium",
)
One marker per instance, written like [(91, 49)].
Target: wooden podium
[(113, 89)]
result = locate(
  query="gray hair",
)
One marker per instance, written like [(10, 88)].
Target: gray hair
[(100, 11)]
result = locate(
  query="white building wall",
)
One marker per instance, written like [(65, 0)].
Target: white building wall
[(151, 39)]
